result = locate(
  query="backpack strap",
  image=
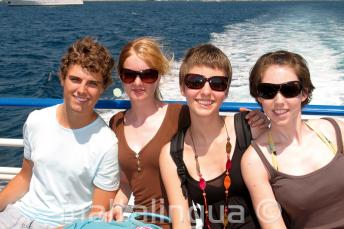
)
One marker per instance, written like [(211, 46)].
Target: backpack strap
[(176, 151), (184, 118), (177, 146), (242, 131)]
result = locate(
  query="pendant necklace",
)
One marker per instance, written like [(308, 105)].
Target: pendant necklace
[(226, 182)]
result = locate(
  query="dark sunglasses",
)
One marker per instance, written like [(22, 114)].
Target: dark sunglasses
[(196, 81), (288, 90), (146, 76)]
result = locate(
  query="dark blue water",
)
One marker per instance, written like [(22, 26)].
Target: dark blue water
[(32, 40)]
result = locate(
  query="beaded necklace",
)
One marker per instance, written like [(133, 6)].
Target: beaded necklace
[(226, 182)]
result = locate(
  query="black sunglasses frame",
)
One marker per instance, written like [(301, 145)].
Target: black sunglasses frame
[(147, 75), (221, 85), (289, 89)]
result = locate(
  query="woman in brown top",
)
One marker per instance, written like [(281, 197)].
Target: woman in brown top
[(143, 129), (297, 164)]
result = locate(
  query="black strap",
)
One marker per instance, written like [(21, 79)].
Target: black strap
[(176, 151), (242, 131), (184, 118), (177, 146)]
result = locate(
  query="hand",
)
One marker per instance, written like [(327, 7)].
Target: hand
[(115, 213), (256, 118)]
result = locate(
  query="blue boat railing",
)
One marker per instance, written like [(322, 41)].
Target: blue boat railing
[(328, 110), (8, 172)]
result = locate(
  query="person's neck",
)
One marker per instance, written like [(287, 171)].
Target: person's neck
[(205, 129), (74, 120), (142, 110), (289, 133)]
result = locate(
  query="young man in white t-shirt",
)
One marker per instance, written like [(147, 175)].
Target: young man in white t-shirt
[(70, 167)]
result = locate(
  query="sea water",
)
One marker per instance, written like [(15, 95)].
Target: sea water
[(33, 39)]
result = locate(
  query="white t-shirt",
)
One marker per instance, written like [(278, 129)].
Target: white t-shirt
[(67, 163)]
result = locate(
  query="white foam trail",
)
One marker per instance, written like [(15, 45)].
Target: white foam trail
[(170, 84), (245, 42), (319, 39)]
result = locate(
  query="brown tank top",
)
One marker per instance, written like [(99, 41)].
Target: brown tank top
[(146, 185), (314, 200)]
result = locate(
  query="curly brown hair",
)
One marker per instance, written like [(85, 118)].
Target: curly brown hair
[(90, 55)]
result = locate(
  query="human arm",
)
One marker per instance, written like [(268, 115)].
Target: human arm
[(18, 186), (101, 200), (256, 179), (106, 182), (178, 204), (121, 200)]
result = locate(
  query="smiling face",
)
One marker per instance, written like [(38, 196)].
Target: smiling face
[(138, 90), (81, 90), (205, 101), (280, 109)]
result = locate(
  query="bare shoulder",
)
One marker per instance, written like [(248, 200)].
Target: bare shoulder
[(167, 166), (165, 151), (251, 161), (252, 168), (250, 157), (323, 123), (325, 126), (165, 160)]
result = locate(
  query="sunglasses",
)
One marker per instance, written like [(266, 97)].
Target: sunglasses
[(288, 90), (196, 81), (147, 76)]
